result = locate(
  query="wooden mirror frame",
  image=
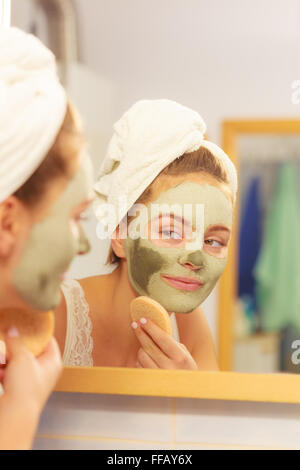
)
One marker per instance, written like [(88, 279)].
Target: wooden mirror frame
[(223, 385)]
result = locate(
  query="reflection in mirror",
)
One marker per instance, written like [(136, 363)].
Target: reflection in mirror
[(181, 261), (156, 157), (168, 242), (267, 320)]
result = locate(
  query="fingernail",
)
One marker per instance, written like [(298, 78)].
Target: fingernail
[(143, 320), (2, 353), (134, 325), (13, 332)]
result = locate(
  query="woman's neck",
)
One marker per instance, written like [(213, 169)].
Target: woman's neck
[(9, 298)]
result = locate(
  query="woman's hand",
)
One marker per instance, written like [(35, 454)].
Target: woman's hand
[(27, 383), (26, 378), (159, 350)]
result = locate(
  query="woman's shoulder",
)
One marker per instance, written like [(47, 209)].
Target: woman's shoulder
[(93, 282), (93, 285), (97, 291)]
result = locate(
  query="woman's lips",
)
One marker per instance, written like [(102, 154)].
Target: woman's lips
[(183, 283)]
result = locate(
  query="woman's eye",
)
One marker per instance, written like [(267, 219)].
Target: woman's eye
[(170, 234), (213, 243)]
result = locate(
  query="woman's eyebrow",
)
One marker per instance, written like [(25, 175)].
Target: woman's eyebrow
[(176, 217), (218, 228)]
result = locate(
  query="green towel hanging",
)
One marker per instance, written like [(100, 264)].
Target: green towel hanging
[(277, 270)]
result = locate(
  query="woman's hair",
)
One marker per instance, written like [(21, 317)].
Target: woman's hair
[(200, 161), (57, 162)]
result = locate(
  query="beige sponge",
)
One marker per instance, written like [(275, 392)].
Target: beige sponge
[(145, 307), (35, 328)]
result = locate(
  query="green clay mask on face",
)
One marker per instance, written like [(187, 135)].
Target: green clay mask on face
[(148, 262), (53, 243)]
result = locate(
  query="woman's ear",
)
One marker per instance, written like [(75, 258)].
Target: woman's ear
[(11, 219), (117, 244)]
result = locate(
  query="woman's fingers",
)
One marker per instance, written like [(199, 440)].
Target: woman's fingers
[(151, 348), (159, 350), (51, 357), (15, 347), (166, 343), (2, 353), (145, 360)]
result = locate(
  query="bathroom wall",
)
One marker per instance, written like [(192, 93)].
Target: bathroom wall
[(226, 59), (78, 421)]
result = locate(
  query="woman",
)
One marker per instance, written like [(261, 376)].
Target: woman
[(45, 185), (157, 156)]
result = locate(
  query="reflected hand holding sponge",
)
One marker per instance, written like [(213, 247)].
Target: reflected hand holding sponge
[(35, 328), (148, 308)]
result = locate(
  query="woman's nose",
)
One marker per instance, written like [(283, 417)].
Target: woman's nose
[(192, 261), (84, 247), (191, 266), (84, 244)]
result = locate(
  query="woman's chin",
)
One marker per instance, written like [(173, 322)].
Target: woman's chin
[(47, 300)]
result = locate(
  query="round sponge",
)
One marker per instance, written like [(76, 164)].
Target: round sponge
[(35, 328), (145, 307)]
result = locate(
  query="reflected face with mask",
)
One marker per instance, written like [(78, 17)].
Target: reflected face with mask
[(53, 241), (185, 249)]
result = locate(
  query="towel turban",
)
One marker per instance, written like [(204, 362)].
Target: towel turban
[(32, 107)]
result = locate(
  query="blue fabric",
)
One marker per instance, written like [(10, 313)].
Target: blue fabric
[(250, 240)]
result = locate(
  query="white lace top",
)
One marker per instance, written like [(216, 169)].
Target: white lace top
[(79, 342)]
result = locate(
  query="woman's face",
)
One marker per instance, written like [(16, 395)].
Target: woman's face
[(53, 241), (183, 244)]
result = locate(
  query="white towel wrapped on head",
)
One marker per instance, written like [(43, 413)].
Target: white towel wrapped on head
[(32, 107), (147, 138)]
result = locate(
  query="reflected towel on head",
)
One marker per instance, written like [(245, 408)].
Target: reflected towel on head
[(147, 138), (277, 271), (32, 107)]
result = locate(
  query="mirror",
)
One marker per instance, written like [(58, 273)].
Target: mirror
[(93, 324), (264, 332), (108, 62)]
